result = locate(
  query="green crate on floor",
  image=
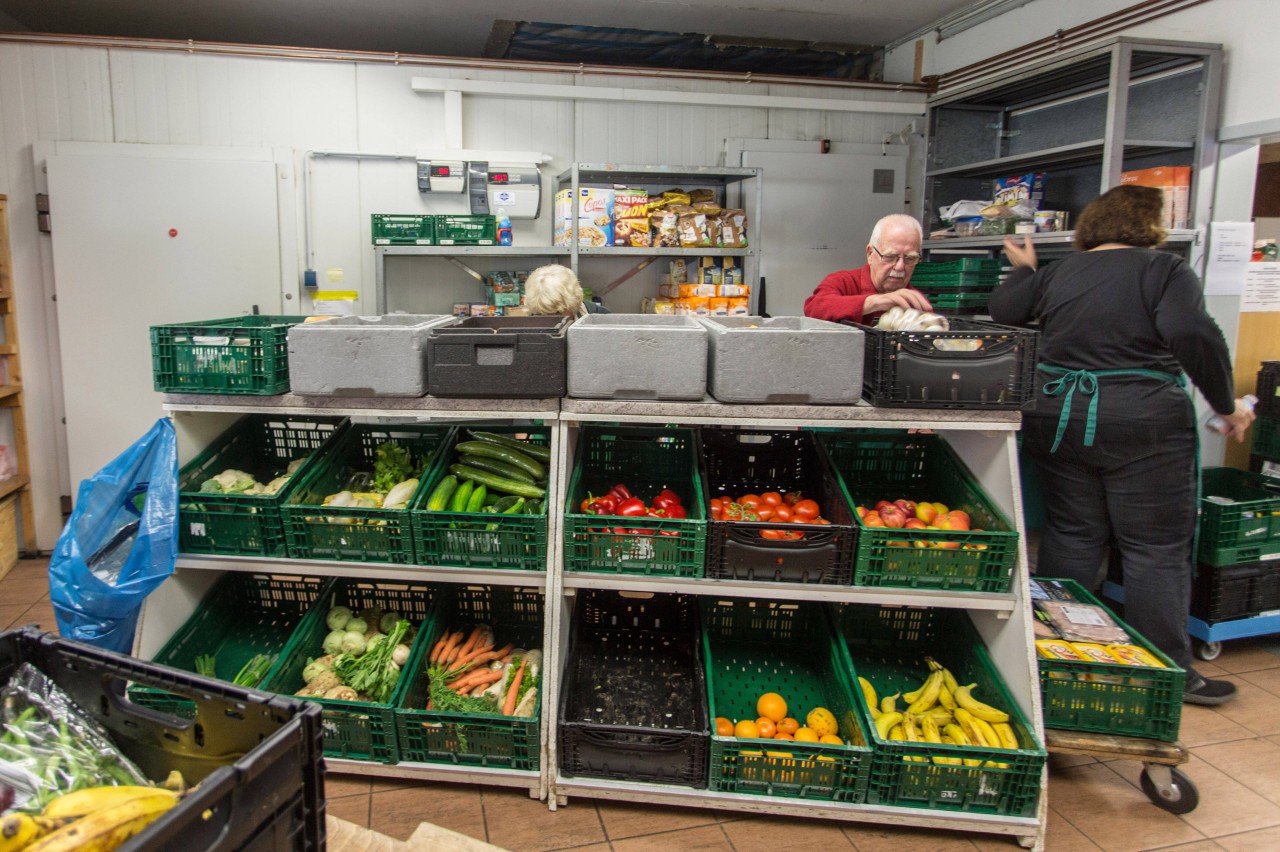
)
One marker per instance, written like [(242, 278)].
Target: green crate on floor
[(407, 229), (1104, 698), (1266, 437), (751, 647), (490, 740), (262, 445), (480, 539), (1239, 517), (246, 355), (646, 460), (887, 645), (890, 465), (358, 730), (353, 534), (243, 615)]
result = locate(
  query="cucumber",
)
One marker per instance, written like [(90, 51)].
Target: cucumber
[(501, 468), (537, 451), (476, 503), (532, 466), (462, 496), (440, 497), (509, 486)]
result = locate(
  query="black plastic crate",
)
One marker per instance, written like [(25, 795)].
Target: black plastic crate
[(1224, 592), (908, 369), (255, 756), (509, 357), (1268, 391), (635, 656), (262, 445), (1269, 468), (737, 462)]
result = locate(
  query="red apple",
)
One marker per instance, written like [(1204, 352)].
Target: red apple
[(926, 512), (915, 524), (872, 519), (880, 505), (907, 506), (893, 516), (861, 510)]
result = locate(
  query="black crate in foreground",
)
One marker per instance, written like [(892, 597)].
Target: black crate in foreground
[(1225, 592), (1268, 389), (520, 357), (256, 757), (634, 702), (975, 364)]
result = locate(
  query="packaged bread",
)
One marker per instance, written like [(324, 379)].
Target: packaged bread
[(1094, 653), (663, 229), (1056, 649), (732, 225), (691, 229), (1083, 622), (1135, 655)]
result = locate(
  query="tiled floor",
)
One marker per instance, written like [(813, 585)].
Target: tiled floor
[(1235, 764)]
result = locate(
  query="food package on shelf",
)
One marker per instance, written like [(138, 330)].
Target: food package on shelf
[(1175, 182), (631, 217)]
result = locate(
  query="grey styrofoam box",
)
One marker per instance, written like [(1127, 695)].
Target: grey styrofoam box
[(362, 356), (637, 356), (783, 360)]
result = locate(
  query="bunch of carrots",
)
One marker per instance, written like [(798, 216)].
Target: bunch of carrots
[(469, 665)]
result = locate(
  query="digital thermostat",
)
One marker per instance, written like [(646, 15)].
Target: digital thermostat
[(442, 176)]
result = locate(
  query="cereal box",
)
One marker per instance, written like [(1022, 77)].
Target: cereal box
[(595, 217), (631, 217), (1027, 188)]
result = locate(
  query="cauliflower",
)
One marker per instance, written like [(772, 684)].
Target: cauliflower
[(275, 485), (230, 481)]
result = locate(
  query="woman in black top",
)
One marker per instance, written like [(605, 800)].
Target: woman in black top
[(1113, 430)]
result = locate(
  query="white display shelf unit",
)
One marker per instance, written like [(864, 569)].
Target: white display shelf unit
[(986, 440)]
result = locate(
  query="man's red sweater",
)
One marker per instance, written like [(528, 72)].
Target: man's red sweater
[(841, 295)]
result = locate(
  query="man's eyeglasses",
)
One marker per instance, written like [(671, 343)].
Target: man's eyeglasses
[(892, 259)]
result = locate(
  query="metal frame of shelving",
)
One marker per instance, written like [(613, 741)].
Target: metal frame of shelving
[(986, 440)]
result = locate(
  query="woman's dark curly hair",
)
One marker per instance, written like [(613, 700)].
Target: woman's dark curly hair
[(1125, 214)]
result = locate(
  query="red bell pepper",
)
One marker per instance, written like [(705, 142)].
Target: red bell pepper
[(666, 499), (620, 492), (631, 507), (676, 512)]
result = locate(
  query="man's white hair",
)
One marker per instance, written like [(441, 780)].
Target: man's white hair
[(895, 220)]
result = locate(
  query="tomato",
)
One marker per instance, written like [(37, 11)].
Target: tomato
[(771, 534), (764, 511), (783, 512), (716, 513), (806, 510), (773, 498), (792, 497), (731, 512), (819, 521), (750, 500), (718, 502)]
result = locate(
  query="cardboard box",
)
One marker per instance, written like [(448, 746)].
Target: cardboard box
[(1175, 181), (595, 217), (631, 217), (739, 307), (1015, 188)]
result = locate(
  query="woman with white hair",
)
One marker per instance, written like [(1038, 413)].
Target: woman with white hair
[(554, 290)]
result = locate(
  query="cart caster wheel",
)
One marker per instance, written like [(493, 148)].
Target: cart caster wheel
[(1177, 795), (1208, 650)]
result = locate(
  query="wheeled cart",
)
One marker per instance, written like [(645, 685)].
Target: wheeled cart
[(1209, 637), (1165, 785)]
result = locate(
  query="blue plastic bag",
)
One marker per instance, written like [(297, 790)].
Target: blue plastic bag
[(119, 544)]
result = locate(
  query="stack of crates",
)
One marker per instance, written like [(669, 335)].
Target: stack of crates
[(959, 286), (1238, 575), (1265, 456)]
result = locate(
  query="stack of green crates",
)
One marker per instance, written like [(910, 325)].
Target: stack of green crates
[(246, 355), (958, 286), (1239, 517)]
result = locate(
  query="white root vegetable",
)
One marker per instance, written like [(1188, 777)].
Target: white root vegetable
[(527, 704), (333, 642), (322, 684), (388, 622), (398, 497), (316, 667), (342, 693), (357, 625), (400, 655), (337, 618), (353, 643)]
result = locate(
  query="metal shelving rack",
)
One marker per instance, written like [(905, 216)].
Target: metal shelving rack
[(985, 440)]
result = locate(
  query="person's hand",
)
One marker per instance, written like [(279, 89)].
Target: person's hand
[(879, 302), (1239, 420), (1020, 255)]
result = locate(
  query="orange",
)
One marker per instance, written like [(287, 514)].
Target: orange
[(747, 730), (788, 726), (724, 728), (831, 739), (767, 729), (806, 735), (771, 705), (782, 736)]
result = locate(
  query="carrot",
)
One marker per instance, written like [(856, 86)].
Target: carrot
[(467, 645), (470, 656), (491, 655), (438, 647), (509, 706), (473, 679), (450, 640)]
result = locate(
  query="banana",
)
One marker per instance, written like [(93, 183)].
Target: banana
[(896, 733), (869, 694), (105, 829), (940, 715), (929, 730), (949, 680), (929, 696), (1008, 739), (909, 728), (985, 712), (912, 696), (18, 831), (886, 723), (887, 703), (957, 734), (988, 733), (965, 718), (945, 698), (81, 803)]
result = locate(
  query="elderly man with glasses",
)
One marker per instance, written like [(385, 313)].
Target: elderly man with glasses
[(862, 294)]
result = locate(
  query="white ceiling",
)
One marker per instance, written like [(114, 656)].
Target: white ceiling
[(441, 28)]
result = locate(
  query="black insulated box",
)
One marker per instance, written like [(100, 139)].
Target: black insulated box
[(511, 357), (1225, 592), (633, 706)]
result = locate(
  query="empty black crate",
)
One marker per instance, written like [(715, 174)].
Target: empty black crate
[(931, 369), (634, 704), (740, 462), (512, 357), (1268, 392), (255, 756), (1224, 592)]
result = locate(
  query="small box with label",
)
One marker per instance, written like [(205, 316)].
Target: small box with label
[(631, 217), (1015, 189)]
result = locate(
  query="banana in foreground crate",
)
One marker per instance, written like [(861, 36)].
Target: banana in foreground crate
[(91, 771)]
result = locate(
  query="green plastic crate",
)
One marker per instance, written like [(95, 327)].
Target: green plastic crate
[(241, 616), (407, 229), (464, 540), (887, 646), (315, 531), (967, 265), (646, 460), (1112, 698), (890, 465), (358, 730), (473, 739), (466, 230), (1266, 438), (1245, 528), (262, 445), (751, 647), (238, 355)]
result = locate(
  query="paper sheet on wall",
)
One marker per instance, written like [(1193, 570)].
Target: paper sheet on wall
[(1230, 245), (1261, 288)]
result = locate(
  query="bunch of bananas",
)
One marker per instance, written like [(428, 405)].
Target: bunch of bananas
[(941, 711), (95, 819)]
